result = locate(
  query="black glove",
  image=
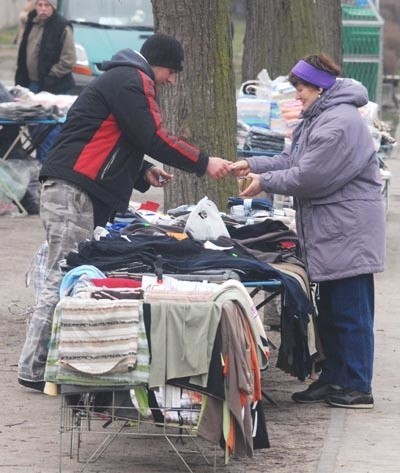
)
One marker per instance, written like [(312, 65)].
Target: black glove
[(49, 83)]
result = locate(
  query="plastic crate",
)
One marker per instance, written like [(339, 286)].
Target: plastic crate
[(361, 40), (362, 48), (366, 73), (351, 12)]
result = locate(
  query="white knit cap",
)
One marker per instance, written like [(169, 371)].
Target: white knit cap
[(53, 3)]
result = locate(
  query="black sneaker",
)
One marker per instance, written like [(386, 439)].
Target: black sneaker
[(36, 385), (318, 391), (351, 399)]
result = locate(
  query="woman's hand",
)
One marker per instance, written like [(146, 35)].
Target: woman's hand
[(157, 177), (240, 168), (253, 188)]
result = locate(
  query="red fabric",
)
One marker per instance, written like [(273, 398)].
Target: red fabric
[(149, 205), (257, 394), (116, 282), (96, 152), (186, 149)]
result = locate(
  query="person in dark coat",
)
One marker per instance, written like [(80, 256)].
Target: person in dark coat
[(96, 162), (46, 57), (46, 54)]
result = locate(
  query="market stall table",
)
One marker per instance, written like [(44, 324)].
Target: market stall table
[(30, 143)]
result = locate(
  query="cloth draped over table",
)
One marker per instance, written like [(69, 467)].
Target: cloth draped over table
[(107, 343)]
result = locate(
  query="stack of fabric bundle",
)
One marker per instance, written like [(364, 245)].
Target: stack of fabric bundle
[(264, 140)]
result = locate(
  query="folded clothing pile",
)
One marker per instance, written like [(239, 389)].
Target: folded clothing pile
[(262, 139)]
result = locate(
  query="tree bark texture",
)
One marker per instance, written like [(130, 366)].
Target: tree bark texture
[(201, 108), (280, 32)]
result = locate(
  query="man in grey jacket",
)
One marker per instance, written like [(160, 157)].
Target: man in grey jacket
[(333, 173)]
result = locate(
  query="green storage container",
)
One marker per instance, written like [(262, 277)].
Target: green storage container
[(365, 72), (351, 12), (362, 45), (361, 40)]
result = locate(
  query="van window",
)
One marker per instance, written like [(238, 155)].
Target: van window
[(102, 28), (110, 13)]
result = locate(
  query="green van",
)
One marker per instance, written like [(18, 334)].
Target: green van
[(103, 27)]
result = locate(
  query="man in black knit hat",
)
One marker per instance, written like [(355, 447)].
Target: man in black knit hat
[(96, 162), (163, 50)]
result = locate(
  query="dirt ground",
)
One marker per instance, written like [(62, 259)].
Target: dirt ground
[(30, 421), (304, 439)]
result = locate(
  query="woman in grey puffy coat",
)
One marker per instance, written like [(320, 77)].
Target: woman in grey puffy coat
[(333, 173)]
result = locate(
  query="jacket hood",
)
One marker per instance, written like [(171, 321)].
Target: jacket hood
[(130, 58), (344, 91)]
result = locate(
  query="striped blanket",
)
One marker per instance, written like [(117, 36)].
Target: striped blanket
[(98, 342)]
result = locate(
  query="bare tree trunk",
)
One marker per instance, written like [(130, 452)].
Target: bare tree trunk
[(280, 32), (255, 47), (202, 107)]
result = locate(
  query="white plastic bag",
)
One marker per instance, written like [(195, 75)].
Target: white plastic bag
[(205, 222), (14, 181)]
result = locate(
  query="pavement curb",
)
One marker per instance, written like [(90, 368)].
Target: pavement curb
[(330, 450)]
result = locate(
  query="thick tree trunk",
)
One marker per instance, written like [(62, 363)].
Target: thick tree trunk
[(255, 47), (202, 107), (280, 32)]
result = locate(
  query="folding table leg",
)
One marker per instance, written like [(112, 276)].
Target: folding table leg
[(12, 146)]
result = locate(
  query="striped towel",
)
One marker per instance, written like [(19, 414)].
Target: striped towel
[(98, 336)]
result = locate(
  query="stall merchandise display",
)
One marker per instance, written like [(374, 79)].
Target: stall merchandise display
[(155, 303), (164, 338)]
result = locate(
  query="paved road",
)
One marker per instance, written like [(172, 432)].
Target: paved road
[(8, 56), (368, 442)]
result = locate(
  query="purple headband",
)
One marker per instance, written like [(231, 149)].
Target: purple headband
[(314, 76)]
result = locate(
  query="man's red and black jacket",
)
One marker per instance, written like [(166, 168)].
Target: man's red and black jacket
[(113, 123)]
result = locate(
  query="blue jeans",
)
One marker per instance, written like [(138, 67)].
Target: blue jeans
[(44, 147), (34, 86), (46, 144), (346, 322)]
